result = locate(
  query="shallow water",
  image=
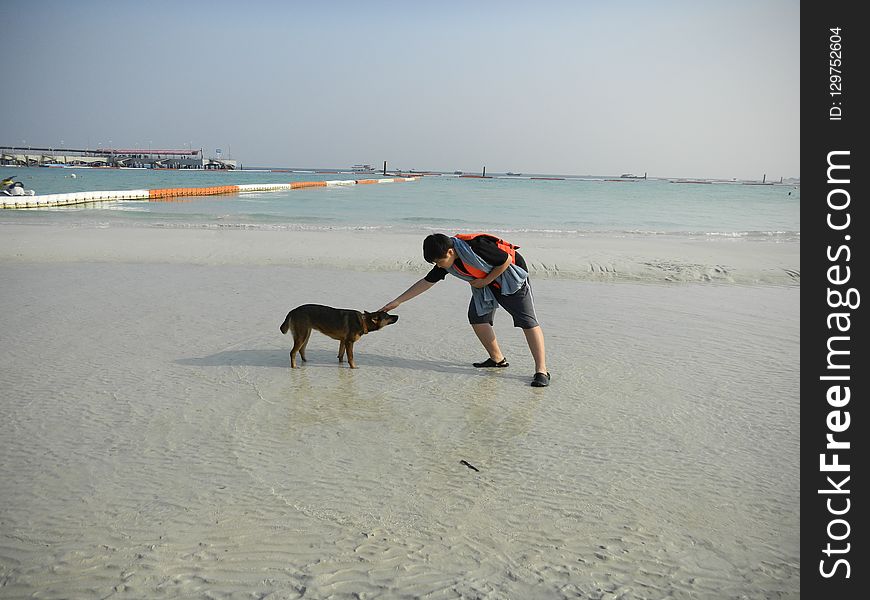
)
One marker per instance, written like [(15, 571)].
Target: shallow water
[(156, 442)]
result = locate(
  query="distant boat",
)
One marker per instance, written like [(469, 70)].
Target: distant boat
[(630, 176), (513, 174), (362, 169)]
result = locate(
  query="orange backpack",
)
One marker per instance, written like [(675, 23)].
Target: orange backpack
[(503, 245)]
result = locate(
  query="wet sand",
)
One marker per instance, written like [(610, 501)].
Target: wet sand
[(156, 442), (639, 259)]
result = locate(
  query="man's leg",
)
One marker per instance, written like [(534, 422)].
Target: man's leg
[(486, 335), (482, 326), (521, 307), (535, 339)]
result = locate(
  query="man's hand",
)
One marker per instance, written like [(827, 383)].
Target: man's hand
[(479, 283), (412, 292)]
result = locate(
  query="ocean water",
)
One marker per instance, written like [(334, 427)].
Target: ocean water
[(570, 206)]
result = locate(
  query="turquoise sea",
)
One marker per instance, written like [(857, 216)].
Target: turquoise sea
[(569, 206)]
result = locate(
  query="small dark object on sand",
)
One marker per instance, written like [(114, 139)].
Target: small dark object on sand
[(469, 465)]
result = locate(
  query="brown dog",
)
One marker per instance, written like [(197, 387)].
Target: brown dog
[(344, 325)]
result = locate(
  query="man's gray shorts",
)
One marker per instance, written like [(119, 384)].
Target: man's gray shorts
[(520, 306)]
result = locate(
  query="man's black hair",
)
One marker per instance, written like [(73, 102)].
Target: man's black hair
[(435, 246)]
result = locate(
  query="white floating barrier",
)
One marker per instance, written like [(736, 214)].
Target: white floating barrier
[(168, 194)]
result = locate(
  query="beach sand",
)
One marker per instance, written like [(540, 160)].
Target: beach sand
[(156, 443), (586, 257)]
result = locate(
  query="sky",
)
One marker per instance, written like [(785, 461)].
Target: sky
[(671, 88)]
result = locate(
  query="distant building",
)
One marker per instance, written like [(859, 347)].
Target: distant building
[(111, 157)]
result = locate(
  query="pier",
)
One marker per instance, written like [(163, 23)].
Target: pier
[(111, 157)]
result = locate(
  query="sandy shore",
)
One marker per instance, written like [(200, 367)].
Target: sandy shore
[(156, 443), (584, 257)]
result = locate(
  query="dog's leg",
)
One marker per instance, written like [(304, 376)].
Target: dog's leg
[(341, 346), (348, 344), (293, 356), (304, 345), (299, 339)]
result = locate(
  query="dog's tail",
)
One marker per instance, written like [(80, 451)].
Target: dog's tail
[(286, 324)]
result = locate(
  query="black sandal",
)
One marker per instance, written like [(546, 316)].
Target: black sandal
[(491, 363), (541, 380)]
